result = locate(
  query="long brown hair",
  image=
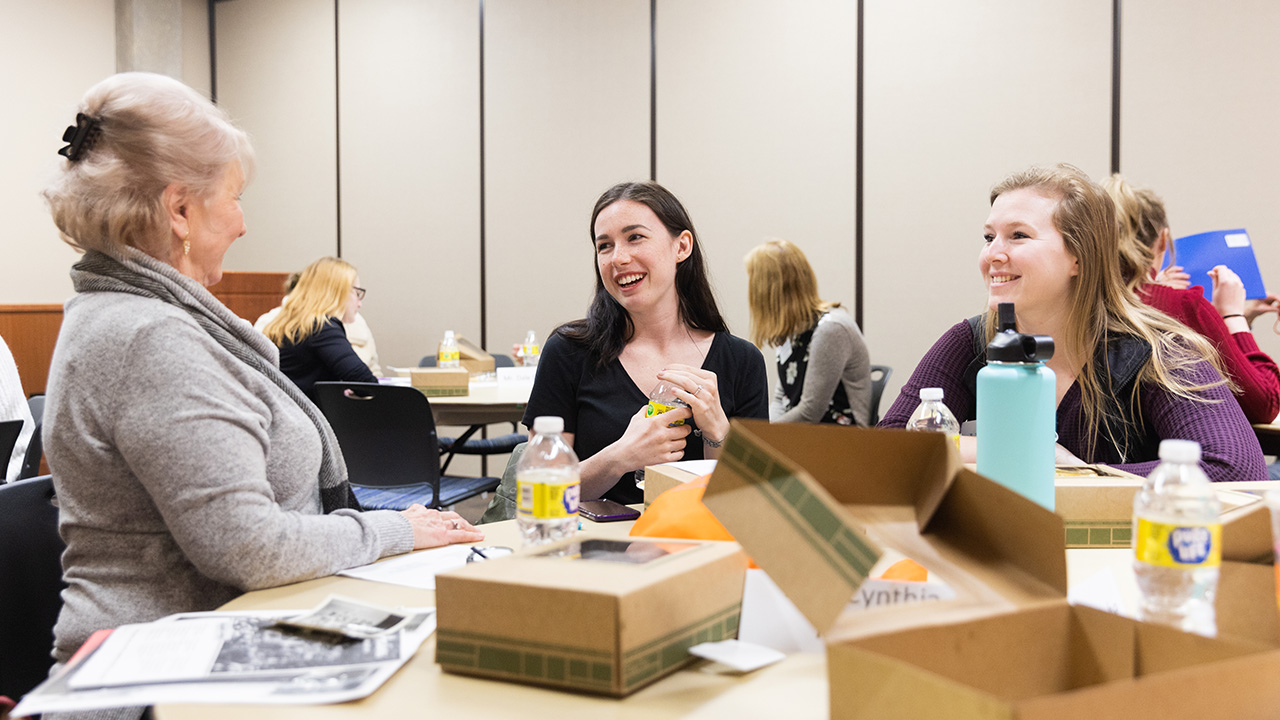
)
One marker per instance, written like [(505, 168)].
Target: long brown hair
[(782, 292), (1101, 303), (1142, 219)]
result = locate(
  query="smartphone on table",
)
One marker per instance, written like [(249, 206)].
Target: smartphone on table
[(606, 511)]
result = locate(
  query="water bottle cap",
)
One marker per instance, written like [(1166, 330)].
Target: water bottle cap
[(1010, 346), (1187, 451), (544, 424), (448, 334), (931, 393)]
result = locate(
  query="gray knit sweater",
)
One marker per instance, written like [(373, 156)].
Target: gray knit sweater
[(184, 476), (837, 354)]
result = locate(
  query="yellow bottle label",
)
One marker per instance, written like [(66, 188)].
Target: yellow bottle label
[(445, 356), (1178, 546), (528, 350), (544, 501), (657, 408)]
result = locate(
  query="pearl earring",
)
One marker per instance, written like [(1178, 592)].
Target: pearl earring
[(186, 243)]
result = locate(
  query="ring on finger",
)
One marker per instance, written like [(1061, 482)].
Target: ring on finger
[(697, 390), (455, 525)]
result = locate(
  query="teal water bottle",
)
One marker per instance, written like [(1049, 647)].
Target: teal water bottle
[(1017, 409)]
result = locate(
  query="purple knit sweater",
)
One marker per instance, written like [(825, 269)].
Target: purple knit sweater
[(1229, 448)]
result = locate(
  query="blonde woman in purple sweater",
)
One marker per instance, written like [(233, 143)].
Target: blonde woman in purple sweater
[(1127, 376)]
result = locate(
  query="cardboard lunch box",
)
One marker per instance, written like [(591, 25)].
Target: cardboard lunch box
[(441, 382), (474, 359), (598, 615), (814, 505), (661, 478), (1097, 509)]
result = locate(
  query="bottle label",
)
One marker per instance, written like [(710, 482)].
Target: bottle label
[(527, 350), (445, 356), (1178, 546), (545, 501), (657, 408)]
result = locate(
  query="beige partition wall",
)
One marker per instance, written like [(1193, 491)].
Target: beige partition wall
[(196, 70), (1199, 119), (276, 78), (409, 85), (566, 116), (958, 94), (49, 65), (756, 134)]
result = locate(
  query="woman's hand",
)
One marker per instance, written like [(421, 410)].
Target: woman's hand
[(1063, 456), (700, 389), (653, 440), (433, 528), (1261, 306), (1174, 276), (1228, 291)]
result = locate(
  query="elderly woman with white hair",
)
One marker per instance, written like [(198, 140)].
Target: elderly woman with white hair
[(188, 468)]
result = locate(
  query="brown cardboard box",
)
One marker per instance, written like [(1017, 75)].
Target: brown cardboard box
[(813, 505), (552, 616), (474, 359), (661, 478), (441, 382), (1050, 662), (1098, 511)]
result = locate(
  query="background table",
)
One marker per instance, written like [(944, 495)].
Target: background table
[(485, 403)]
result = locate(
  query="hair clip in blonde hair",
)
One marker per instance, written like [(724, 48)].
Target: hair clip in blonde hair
[(82, 135)]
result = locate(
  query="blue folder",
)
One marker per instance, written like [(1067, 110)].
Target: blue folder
[(1198, 254)]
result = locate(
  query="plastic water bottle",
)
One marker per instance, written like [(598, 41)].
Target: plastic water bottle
[(661, 399), (932, 415), (447, 355), (547, 485), (1178, 541), (1017, 412), (529, 351)]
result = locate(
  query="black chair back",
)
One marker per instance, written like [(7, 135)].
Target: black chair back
[(30, 583), (387, 433), (35, 447), (9, 432), (880, 375)]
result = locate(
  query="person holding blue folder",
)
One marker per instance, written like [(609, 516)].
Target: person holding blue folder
[(1144, 238)]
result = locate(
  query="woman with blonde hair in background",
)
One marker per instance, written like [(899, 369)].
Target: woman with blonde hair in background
[(1145, 236), (188, 468), (1127, 376), (824, 370), (310, 327)]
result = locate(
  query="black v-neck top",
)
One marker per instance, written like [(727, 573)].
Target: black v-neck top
[(597, 402)]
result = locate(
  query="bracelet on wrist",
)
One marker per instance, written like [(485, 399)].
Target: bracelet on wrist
[(1227, 317), (707, 439)]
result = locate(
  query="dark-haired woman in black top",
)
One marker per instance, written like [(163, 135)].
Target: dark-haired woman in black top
[(653, 318)]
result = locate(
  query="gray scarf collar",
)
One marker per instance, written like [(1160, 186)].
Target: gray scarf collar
[(137, 273)]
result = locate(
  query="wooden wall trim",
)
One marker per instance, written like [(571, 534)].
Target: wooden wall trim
[(9, 309), (31, 331), (249, 294)]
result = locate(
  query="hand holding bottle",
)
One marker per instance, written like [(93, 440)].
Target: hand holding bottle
[(700, 389), (652, 439)]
